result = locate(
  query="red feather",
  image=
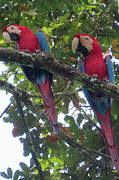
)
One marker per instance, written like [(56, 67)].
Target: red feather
[(94, 64), (29, 41), (46, 92), (107, 132)]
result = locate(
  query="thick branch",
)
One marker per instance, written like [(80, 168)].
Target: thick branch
[(46, 61)]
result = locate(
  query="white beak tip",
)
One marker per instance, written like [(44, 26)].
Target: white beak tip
[(75, 44), (6, 37)]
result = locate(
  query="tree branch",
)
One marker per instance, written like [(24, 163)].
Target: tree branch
[(85, 150), (46, 61)]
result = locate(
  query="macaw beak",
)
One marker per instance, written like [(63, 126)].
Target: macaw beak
[(77, 47), (6, 36), (9, 37), (82, 49), (14, 37)]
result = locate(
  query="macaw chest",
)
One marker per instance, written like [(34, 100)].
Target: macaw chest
[(96, 67), (29, 43)]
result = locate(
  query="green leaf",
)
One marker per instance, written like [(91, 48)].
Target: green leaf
[(16, 175), (24, 167), (64, 17), (79, 118), (115, 107), (9, 172), (69, 119), (3, 174)]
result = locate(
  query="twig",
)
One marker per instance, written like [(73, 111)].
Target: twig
[(90, 119), (5, 109), (38, 166), (82, 148)]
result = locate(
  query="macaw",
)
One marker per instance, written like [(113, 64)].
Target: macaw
[(26, 40), (93, 63)]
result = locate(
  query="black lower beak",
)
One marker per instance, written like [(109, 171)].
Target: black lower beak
[(14, 37), (82, 49)]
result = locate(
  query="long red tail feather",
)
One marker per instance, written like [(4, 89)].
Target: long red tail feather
[(46, 92), (107, 132)]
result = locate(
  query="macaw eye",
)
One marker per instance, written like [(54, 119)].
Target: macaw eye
[(12, 27), (87, 38)]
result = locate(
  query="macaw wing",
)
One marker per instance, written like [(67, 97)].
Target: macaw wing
[(43, 82), (85, 91), (28, 71), (110, 69), (43, 41), (97, 101)]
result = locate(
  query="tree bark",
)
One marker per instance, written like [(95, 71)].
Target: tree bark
[(45, 61)]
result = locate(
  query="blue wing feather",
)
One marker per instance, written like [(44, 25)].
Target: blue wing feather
[(43, 42), (110, 70), (85, 91), (44, 47), (98, 101), (28, 71)]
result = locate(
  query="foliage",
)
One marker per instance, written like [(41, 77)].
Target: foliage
[(61, 20)]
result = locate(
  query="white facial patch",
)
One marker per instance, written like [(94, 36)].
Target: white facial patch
[(87, 42), (75, 44), (13, 29), (6, 36)]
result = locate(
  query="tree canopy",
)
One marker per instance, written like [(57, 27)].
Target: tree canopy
[(79, 152)]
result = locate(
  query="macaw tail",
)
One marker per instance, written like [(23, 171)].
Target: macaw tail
[(44, 85), (107, 132)]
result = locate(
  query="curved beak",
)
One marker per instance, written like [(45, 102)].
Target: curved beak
[(75, 44), (6, 37), (9, 37), (77, 47), (82, 49)]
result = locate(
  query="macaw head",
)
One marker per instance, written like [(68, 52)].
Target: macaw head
[(85, 44), (15, 32)]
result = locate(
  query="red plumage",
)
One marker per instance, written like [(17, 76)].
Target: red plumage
[(107, 132), (28, 41), (95, 64), (46, 92)]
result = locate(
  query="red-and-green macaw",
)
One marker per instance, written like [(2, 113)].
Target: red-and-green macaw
[(26, 40), (93, 63)]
